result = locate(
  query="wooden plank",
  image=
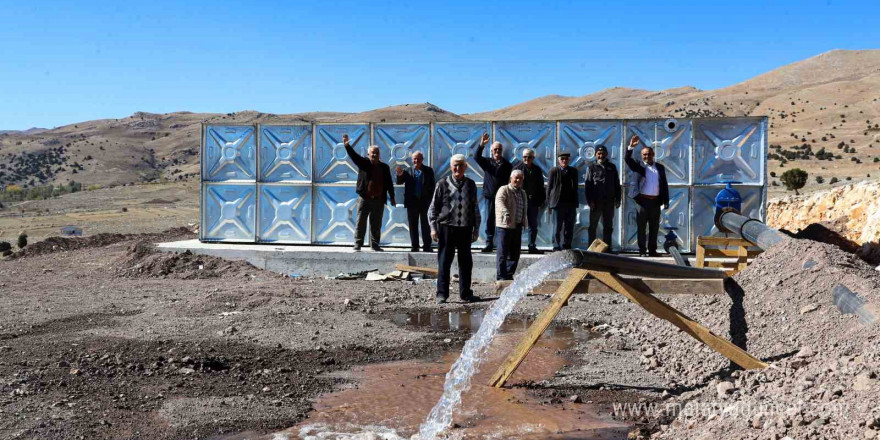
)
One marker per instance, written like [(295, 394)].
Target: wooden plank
[(664, 286), (422, 270), (701, 255), (542, 322), (728, 252), (725, 264), (696, 330), (723, 241)]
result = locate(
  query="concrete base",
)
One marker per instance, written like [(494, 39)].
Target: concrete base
[(332, 260)]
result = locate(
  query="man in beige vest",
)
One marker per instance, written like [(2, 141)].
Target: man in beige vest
[(511, 206)]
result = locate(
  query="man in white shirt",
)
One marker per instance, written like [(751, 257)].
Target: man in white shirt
[(650, 192)]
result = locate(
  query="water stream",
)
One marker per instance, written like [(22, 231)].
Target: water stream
[(459, 377)]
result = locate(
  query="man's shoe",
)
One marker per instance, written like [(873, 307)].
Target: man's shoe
[(488, 249), (377, 249), (356, 248), (441, 300), (428, 250), (556, 249), (653, 254), (535, 251), (643, 254), (470, 297), (414, 249)]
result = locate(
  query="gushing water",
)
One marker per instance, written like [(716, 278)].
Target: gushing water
[(458, 379)]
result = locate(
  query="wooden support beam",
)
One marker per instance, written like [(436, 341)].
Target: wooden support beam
[(696, 330), (542, 322), (723, 241), (650, 285), (422, 270)]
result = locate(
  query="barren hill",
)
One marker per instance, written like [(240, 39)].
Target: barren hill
[(824, 114)]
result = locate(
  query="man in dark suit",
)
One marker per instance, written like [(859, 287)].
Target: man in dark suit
[(374, 182), (417, 193), (562, 198), (533, 184), (650, 191), (496, 174), (602, 191)]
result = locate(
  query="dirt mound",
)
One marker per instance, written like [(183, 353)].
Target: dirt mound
[(823, 379), (61, 244), (144, 261), (827, 232)]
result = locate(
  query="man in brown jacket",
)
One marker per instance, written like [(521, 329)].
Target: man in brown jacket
[(511, 208)]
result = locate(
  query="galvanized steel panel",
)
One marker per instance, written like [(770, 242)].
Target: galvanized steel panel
[(671, 148), (397, 142), (332, 164), (228, 212), (704, 207), (729, 150), (546, 228), (676, 215), (581, 139), (229, 153), (285, 153), (452, 138), (285, 214), (335, 211), (539, 136), (395, 228), (582, 225)]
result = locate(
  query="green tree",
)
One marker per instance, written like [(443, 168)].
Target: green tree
[(794, 179)]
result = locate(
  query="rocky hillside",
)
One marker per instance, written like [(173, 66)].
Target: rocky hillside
[(853, 211), (824, 114)]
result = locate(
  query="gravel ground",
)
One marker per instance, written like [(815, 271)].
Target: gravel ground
[(109, 339)]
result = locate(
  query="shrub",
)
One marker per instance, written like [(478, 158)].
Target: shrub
[(794, 179), (773, 173), (820, 179), (22, 240), (833, 180), (93, 187)]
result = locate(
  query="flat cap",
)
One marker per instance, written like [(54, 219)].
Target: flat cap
[(563, 154), (601, 148)]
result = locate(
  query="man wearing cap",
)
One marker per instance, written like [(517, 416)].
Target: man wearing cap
[(602, 191), (496, 174), (533, 184), (650, 192), (562, 199), (373, 183)]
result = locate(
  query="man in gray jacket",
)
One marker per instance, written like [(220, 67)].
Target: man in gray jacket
[(511, 208)]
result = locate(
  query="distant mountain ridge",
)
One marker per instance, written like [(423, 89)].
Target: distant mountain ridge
[(822, 101)]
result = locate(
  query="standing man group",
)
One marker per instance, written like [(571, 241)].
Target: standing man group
[(417, 194), (603, 194), (650, 191), (373, 183), (562, 199), (496, 174), (454, 217), (533, 184)]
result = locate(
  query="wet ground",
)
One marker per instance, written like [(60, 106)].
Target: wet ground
[(109, 341)]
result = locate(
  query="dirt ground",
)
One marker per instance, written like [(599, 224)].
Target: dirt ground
[(103, 338)]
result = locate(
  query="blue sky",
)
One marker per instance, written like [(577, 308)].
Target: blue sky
[(66, 62)]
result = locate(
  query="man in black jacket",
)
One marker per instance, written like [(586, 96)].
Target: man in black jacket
[(533, 184), (562, 198), (417, 193), (650, 191), (496, 174), (374, 182), (602, 190)]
